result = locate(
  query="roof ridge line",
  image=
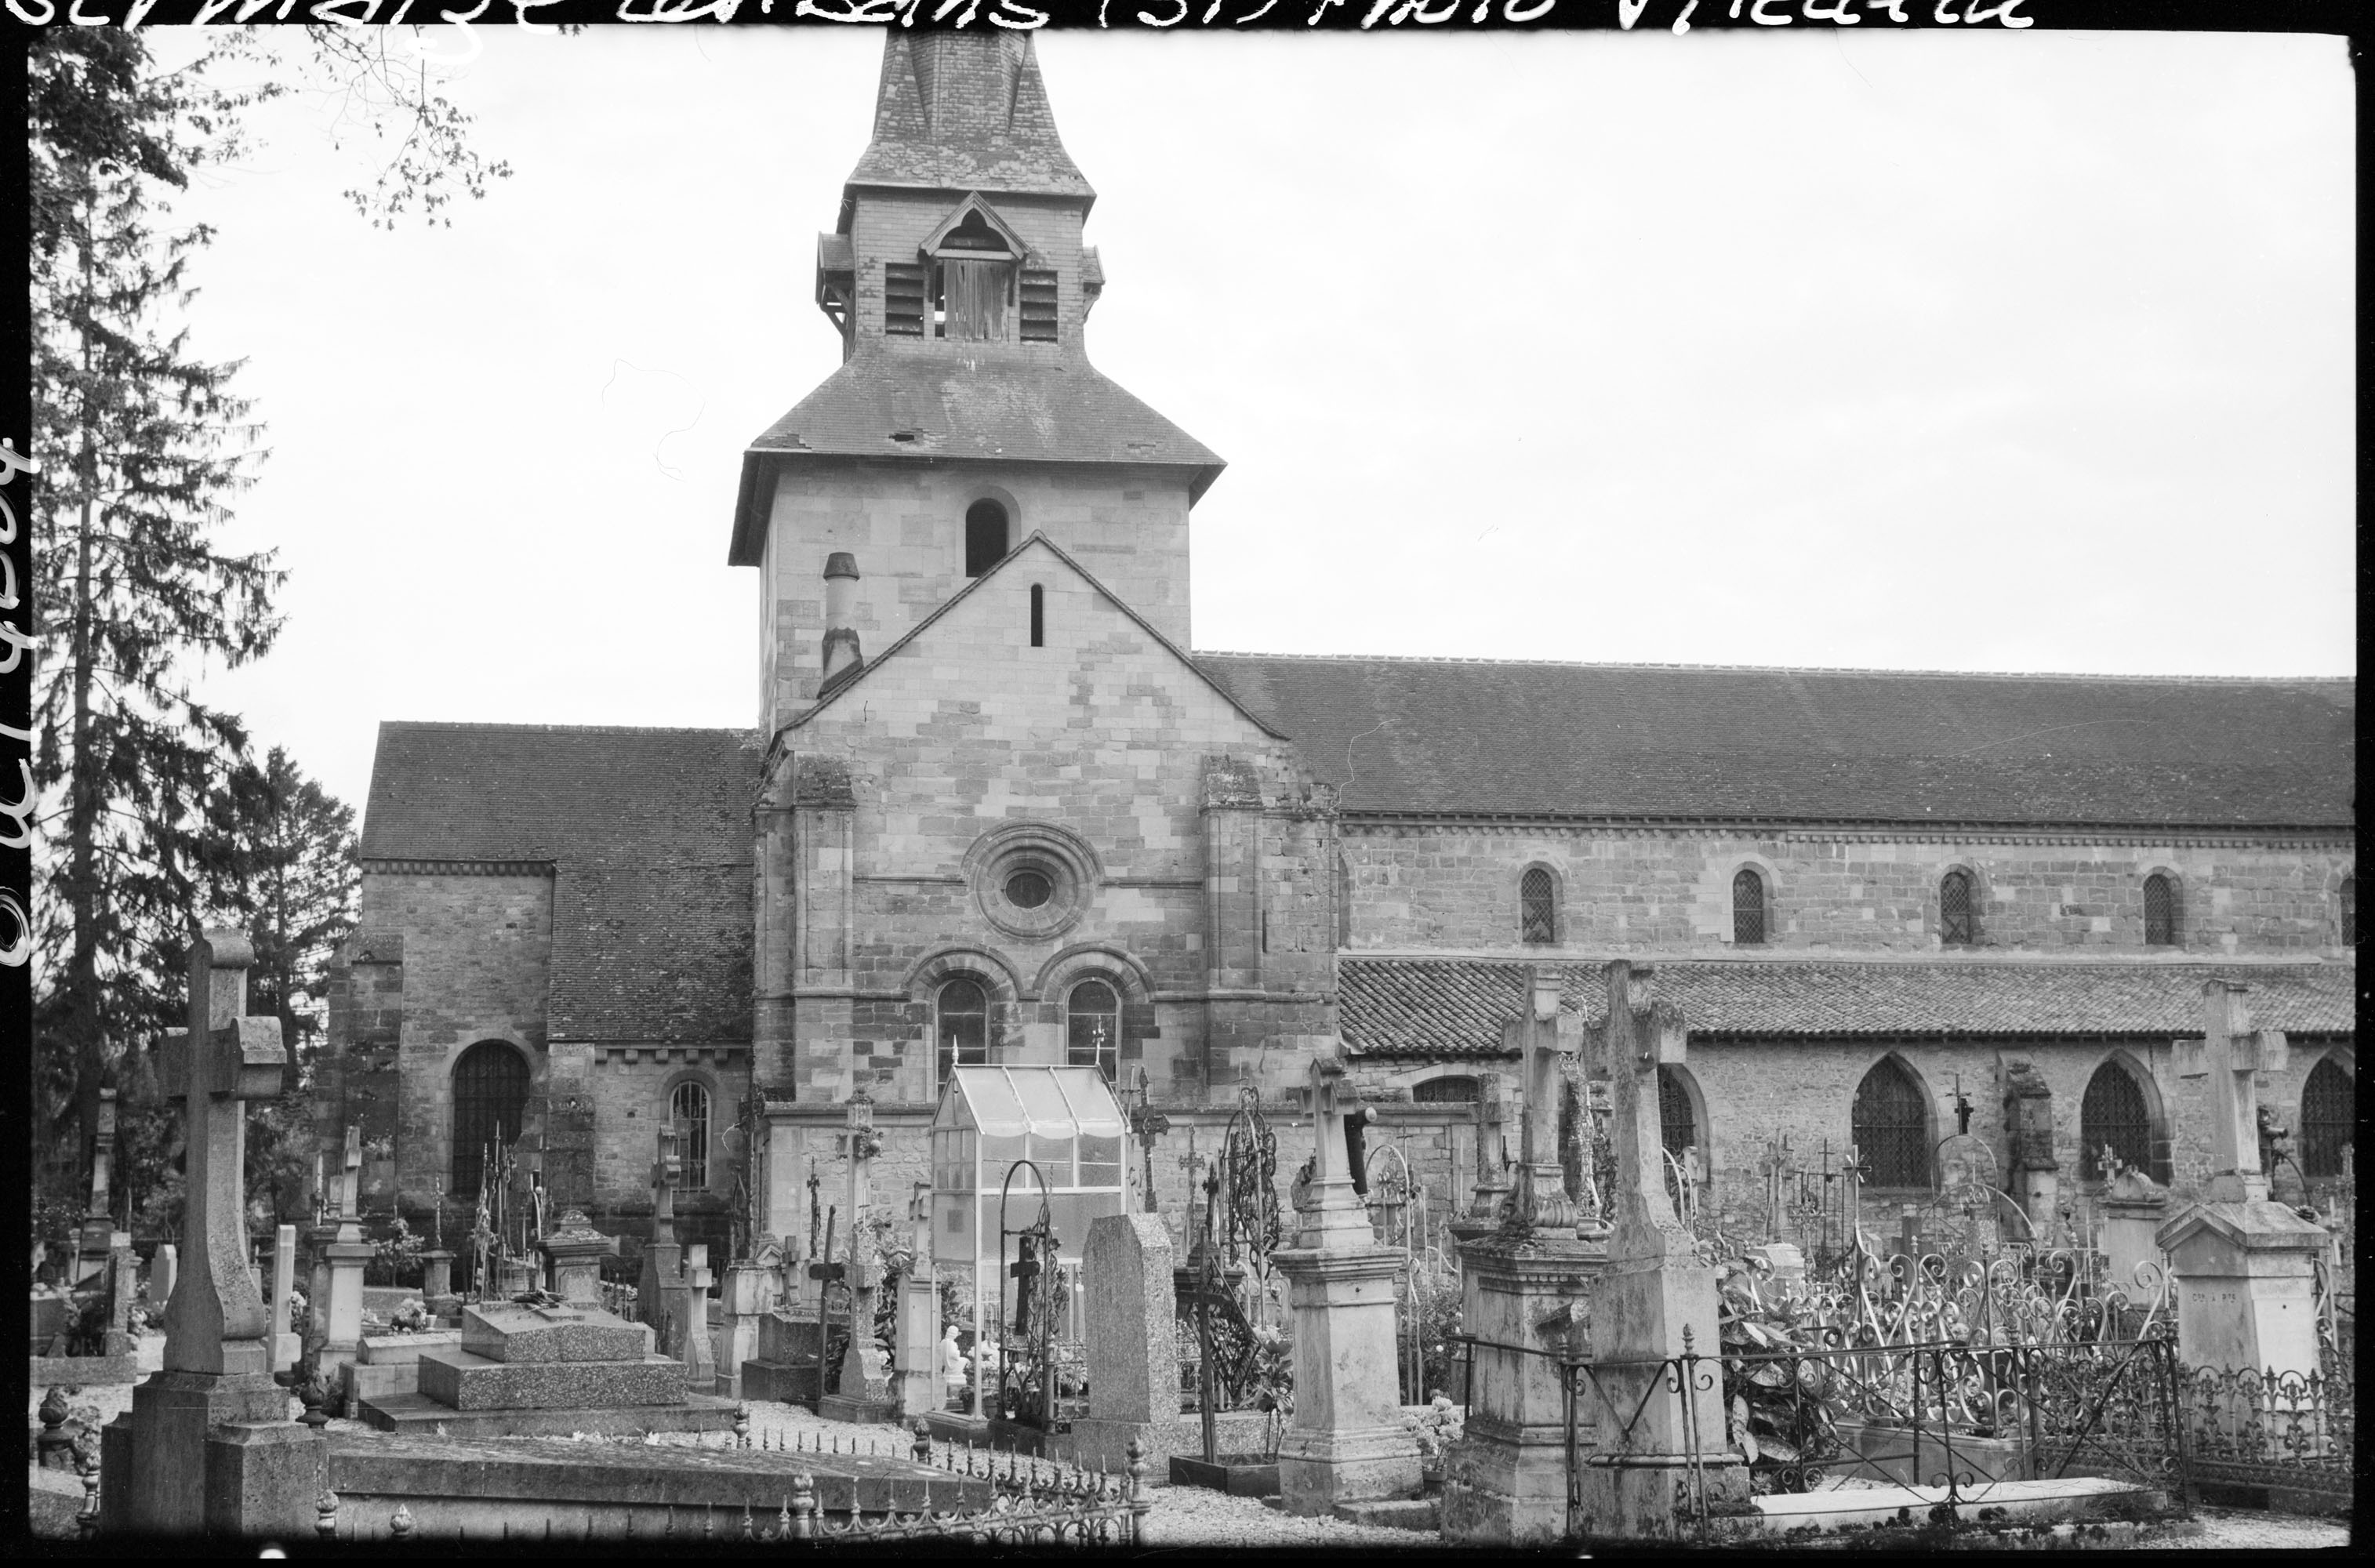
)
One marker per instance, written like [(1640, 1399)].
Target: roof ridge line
[(579, 729), (1789, 670)]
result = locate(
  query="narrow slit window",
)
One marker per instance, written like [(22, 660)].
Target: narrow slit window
[(2160, 912), (1537, 908), (1748, 909), (1959, 922), (1038, 616)]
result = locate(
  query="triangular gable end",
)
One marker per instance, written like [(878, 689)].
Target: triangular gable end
[(1040, 541)]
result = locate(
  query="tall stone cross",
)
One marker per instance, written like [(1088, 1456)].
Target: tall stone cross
[(2230, 1053), (1540, 1200), (1643, 1034), (216, 1322), (351, 1174), (1336, 1218)]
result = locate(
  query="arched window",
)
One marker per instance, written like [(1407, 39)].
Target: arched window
[(1537, 906), (1453, 1091), (688, 1109), (1678, 1128), (2160, 912), (985, 537), (2325, 1119), (1958, 913), (1747, 907), (963, 1025), (1092, 1028), (489, 1099), (1891, 1127), (2112, 1112), (2349, 898)]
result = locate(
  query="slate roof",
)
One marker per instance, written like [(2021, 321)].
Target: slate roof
[(1533, 739), (648, 835), (1456, 1006), (965, 112), (1015, 409)]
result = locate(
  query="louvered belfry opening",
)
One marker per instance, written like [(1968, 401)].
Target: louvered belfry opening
[(903, 300), (688, 1109), (1748, 908), (2112, 1114), (489, 1100), (961, 1027), (1537, 907), (1892, 1127), (2327, 1120), (1038, 306), (2160, 912), (1958, 925)]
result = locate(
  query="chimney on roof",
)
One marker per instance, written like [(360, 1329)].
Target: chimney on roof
[(841, 653)]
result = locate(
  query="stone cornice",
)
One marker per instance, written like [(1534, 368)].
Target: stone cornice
[(2127, 834), (457, 868)]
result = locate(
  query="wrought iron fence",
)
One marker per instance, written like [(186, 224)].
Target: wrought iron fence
[(2271, 1429)]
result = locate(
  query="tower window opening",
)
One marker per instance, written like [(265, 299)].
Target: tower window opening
[(1038, 306), (969, 301), (2160, 912), (1958, 925), (1038, 616), (1747, 908), (985, 537), (903, 300)]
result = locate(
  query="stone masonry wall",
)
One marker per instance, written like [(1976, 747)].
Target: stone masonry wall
[(1452, 888)]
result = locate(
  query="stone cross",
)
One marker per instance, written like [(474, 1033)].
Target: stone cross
[(1333, 1219), (1540, 1200), (103, 1155), (665, 1171), (2230, 1053), (216, 1322), (351, 1174), (1648, 1035)]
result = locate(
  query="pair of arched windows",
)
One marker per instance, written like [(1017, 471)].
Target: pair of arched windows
[(1092, 1027)]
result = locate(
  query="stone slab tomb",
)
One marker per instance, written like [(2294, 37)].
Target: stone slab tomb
[(522, 1370)]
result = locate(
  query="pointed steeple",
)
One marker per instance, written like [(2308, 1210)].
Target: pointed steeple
[(965, 112)]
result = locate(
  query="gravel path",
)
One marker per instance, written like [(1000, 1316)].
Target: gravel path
[(2230, 1528)]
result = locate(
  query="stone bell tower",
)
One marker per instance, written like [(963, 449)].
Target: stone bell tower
[(965, 416)]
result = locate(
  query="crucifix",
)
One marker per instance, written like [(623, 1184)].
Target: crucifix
[(216, 1321), (1149, 1125), (1336, 1219), (2231, 1054)]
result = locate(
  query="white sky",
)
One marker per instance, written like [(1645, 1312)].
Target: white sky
[(2013, 351)]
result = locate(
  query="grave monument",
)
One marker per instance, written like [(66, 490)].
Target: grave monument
[(1346, 1442), (1133, 1358), (208, 1443), (863, 1394), (1526, 1282), (2244, 1265)]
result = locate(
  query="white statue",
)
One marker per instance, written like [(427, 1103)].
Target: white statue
[(956, 1368)]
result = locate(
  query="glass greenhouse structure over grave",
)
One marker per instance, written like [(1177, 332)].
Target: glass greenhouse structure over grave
[(1064, 1120)]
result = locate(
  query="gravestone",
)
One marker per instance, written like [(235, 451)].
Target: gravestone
[(1528, 1283), (2135, 1209), (1656, 1302), (917, 1388), (753, 1286), (285, 1347), (98, 1238), (666, 1296), (1133, 1358), (575, 1250), (863, 1393), (1345, 1442), (208, 1443), (2028, 1137), (2245, 1267), (339, 1255)]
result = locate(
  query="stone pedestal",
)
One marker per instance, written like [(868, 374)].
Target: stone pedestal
[(786, 1365), (1346, 1442), (1505, 1483), (437, 1283), (2243, 1280), (750, 1291), (1133, 1358), (863, 1393), (576, 1250)]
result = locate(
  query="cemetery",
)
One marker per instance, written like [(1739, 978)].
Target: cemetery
[(1023, 1349)]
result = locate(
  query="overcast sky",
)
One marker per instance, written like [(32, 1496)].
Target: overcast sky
[(1988, 351)]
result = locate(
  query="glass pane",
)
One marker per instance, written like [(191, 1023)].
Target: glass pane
[(1043, 1102), (997, 1154), (952, 1226), (1053, 1158)]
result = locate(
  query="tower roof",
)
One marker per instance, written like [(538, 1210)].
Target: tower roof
[(965, 112)]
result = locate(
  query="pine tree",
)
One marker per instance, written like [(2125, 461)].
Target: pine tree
[(144, 445)]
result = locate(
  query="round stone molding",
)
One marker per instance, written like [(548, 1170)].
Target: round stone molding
[(1032, 880)]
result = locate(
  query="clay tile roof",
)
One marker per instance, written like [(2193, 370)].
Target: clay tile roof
[(1456, 1006), (966, 111), (1512, 738), (647, 832)]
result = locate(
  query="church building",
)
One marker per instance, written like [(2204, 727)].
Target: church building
[(996, 805)]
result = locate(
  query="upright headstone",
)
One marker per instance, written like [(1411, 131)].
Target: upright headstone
[(98, 1236), (1527, 1283), (339, 1255), (754, 1285), (576, 1249), (1654, 1307), (2245, 1267), (1345, 1442), (208, 1443), (2135, 1209), (667, 1294), (2028, 1135), (1133, 1358)]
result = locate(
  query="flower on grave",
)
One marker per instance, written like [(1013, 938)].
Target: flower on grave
[(411, 1316)]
